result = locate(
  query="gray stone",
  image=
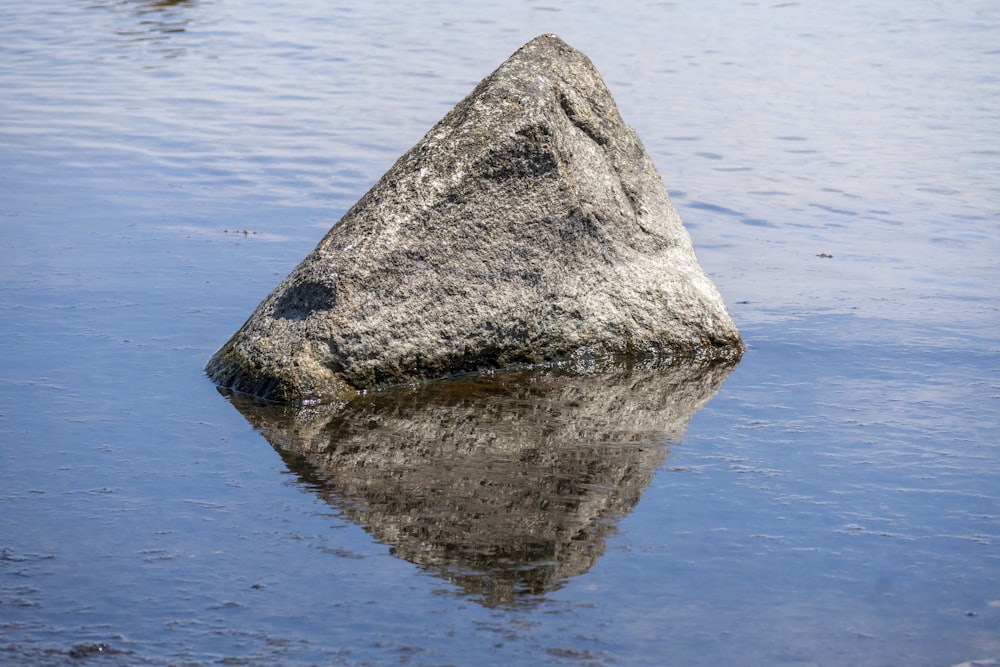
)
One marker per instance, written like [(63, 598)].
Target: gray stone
[(529, 225)]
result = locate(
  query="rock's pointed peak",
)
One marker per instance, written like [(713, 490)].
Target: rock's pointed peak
[(529, 225)]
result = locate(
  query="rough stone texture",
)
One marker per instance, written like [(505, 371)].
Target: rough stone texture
[(528, 225), (505, 484)]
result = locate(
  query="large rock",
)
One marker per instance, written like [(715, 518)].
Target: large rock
[(528, 225)]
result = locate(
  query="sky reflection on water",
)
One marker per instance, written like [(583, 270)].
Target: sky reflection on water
[(835, 503)]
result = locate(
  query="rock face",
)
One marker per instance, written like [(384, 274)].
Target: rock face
[(505, 484), (529, 225)]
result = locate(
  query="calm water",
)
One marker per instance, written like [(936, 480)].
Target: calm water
[(833, 500)]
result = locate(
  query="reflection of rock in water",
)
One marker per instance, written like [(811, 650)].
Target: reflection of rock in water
[(505, 484)]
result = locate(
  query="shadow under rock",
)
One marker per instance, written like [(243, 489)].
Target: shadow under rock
[(505, 484)]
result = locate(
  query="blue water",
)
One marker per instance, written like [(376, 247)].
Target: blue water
[(165, 164)]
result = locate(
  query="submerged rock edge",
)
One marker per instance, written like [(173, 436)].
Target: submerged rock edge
[(507, 236)]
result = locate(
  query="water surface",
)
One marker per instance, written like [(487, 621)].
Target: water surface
[(830, 501)]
